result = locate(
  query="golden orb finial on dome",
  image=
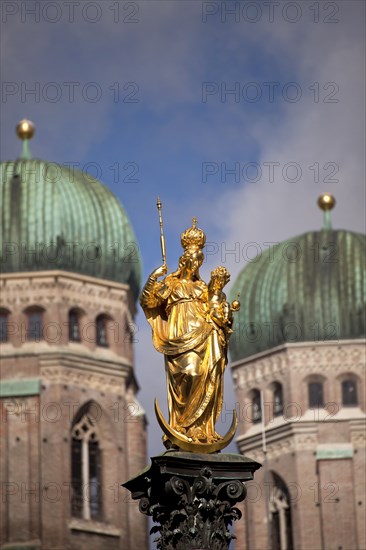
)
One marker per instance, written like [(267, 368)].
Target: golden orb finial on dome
[(25, 129), (326, 202)]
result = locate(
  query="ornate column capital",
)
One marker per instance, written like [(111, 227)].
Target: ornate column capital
[(192, 497)]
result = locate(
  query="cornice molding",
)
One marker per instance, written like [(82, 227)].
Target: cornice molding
[(341, 356), (81, 378), (285, 438), (55, 274), (49, 353)]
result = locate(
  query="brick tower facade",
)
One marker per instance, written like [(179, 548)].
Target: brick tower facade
[(72, 429), (299, 375), (310, 493)]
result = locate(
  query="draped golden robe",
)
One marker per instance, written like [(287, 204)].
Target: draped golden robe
[(178, 313)]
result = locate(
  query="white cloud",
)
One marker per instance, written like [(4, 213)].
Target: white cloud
[(307, 133)]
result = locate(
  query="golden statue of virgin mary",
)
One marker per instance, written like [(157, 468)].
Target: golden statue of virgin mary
[(191, 323)]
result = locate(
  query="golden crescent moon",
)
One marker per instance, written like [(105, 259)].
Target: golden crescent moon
[(185, 443)]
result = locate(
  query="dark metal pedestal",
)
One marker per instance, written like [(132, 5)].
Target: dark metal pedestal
[(192, 497)]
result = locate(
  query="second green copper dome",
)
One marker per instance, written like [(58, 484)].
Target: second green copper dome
[(310, 288)]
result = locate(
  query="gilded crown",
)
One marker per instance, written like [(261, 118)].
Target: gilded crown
[(193, 238)]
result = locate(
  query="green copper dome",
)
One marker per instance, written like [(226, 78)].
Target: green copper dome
[(309, 288), (56, 217)]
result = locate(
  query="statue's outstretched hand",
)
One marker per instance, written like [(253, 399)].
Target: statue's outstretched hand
[(160, 271)]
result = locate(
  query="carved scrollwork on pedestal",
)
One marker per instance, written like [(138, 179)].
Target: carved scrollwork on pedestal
[(194, 512)]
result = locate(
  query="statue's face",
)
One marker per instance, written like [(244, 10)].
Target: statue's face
[(197, 261), (219, 283), (191, 261), (221, 280)]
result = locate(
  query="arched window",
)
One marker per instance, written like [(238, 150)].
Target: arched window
[(101, 331), (34, 324), (4, 317), (86, 467), (349, 393), (74, 325), (315, 395), (256, 407), (277, 399), (280, 512)]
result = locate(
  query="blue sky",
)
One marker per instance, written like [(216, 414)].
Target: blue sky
[(173, 125)]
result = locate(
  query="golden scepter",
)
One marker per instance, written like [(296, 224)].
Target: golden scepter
[(162, 238)]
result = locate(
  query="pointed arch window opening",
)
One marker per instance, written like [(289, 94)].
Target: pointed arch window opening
[(256, 407), (101, 329), (74, 326), (316, 395), (35, 325), (280, 518), (3, 326), (349, 393), (86, 470), (278, 400)]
